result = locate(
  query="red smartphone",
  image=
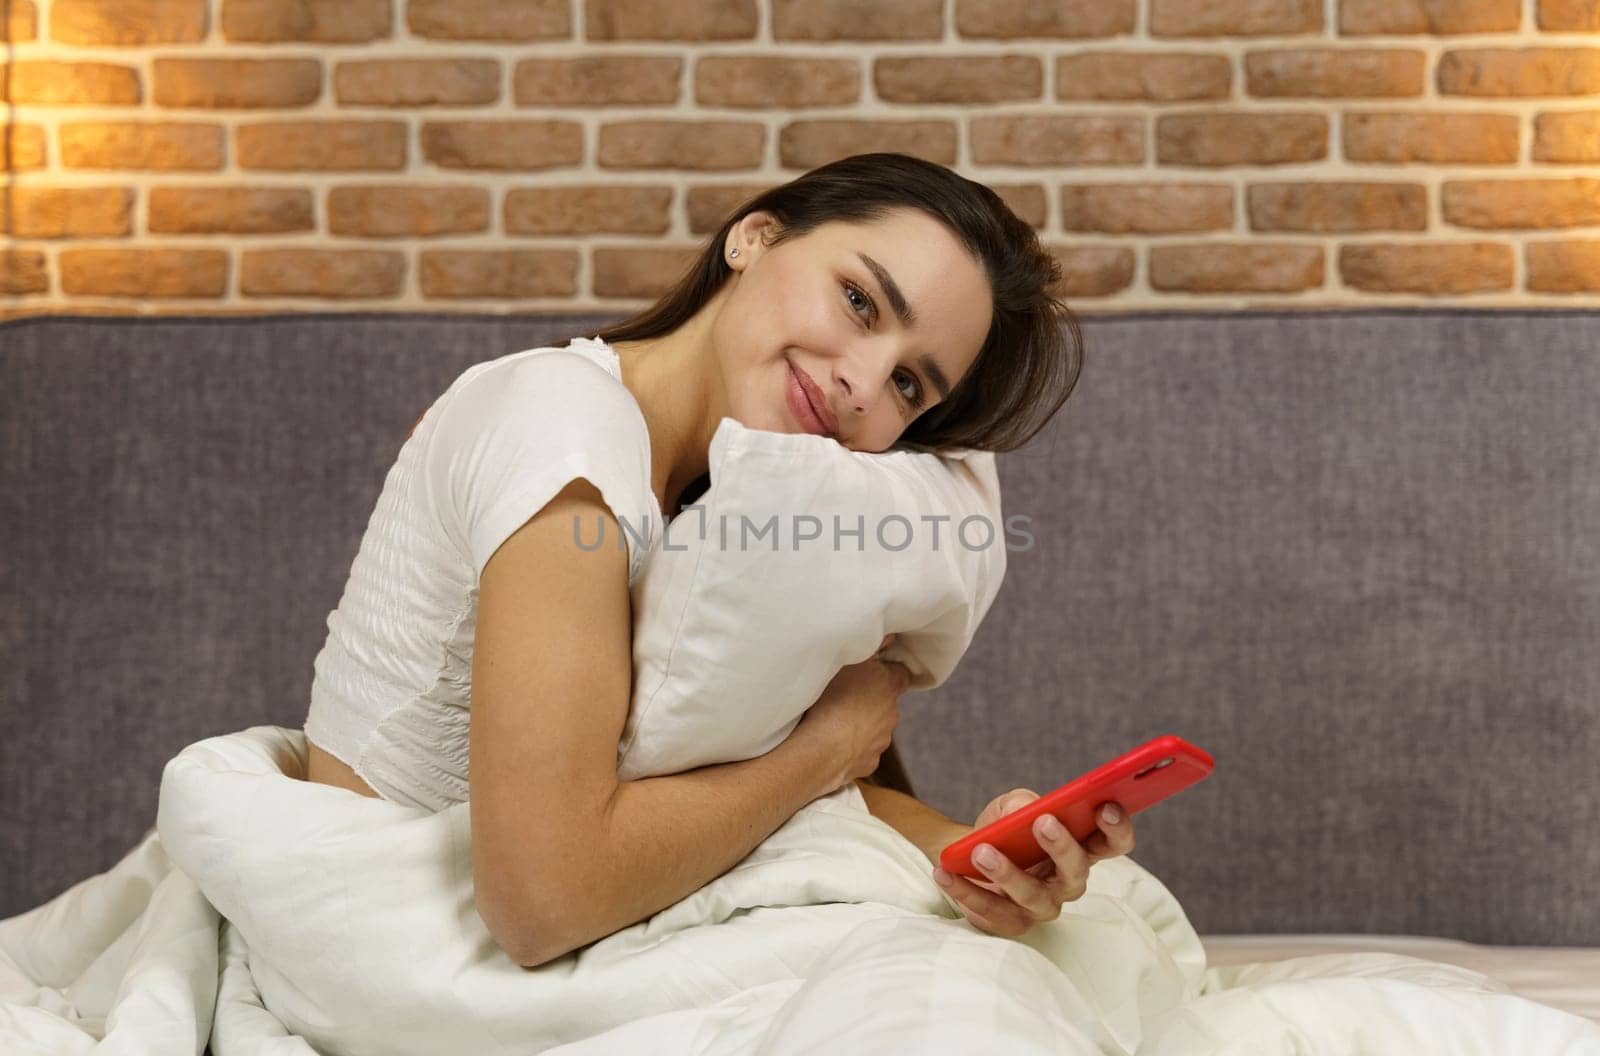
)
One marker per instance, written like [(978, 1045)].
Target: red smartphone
[(1136, 779)]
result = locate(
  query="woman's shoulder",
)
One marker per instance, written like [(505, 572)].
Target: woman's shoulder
[(520, 426), (572, 362), (561, 386)]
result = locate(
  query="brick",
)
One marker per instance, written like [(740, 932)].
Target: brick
[(1335, 72), (22, 147), (417, 82), (209, 310), (229, 210), (1520, 71), (322, 21), (1026, 200), (124, 310), (670, 19), (46, 83), (1062, 20), (524, 145), (395, 211), (1437, 17), (1241, 138), (20, 22), (957, 79), (1234, 18), (499, 274), (1092, 271), (697, 145), (524, 20), (23, 271), (1511, 204), (1564, 267), (1581, 16), (346, 146), (640, 272), (237, 83), (128, 22), (1337, 206), (66, 212), (588, 210), (775, 82), (598, 80), (1146, 208), (1444, 268), (847, 20), (708, 206), (1567, 136), (807, 144), (1222, 267), (165, 145), (1051, 139), (1398, 137), (26, 310), (144, 272), (326, 273), (1160, 77)]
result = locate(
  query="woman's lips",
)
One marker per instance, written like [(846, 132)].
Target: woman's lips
[(800, 406)]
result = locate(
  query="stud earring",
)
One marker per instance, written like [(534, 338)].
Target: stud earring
[(733, 252)]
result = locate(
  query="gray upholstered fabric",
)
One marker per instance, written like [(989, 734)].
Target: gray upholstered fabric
[(1354, 554)]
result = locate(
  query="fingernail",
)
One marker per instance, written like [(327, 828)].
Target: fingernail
[(1111, 814), (1050, 827), (941, 878), (987, 857)]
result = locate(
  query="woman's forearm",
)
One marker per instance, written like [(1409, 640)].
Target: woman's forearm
[(930, 830)]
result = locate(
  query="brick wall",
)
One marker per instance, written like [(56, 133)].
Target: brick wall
[(251, 155)]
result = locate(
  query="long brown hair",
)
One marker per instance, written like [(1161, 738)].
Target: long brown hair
[(1028, 364)]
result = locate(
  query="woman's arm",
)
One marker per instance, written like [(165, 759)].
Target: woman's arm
[(930, 830)]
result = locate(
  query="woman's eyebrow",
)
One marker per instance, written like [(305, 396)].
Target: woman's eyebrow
[(897, 300)]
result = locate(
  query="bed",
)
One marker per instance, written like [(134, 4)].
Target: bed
[(1350, 552)]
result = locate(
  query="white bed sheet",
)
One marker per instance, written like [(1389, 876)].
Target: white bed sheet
[(274, 917), (1567, 977)]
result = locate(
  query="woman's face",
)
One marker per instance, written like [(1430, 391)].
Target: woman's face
[(825, 303)]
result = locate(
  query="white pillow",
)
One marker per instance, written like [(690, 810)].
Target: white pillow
[(747, 608)]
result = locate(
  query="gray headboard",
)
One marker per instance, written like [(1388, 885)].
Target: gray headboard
[(1355, 554)]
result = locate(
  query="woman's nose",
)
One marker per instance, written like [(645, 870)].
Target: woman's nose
[(861, 381)]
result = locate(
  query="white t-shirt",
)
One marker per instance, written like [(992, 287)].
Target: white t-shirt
[(392, 685)]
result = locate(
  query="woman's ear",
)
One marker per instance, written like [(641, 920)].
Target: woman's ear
[(751, 235)]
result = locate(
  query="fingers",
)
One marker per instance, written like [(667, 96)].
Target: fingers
[(1113, 838), (1010, 900), (1037, 898), (1071, 860), (1018, 798), (901, 672), (995, 913)]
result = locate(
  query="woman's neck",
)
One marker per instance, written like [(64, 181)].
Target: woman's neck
[(676, 380)]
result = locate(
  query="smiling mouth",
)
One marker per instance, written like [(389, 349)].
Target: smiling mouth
[(802, 407)]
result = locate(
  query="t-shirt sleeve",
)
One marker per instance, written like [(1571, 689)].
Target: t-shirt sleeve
[(510, 435)]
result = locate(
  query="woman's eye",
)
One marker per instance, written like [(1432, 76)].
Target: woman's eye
[(872, 312), (914, 397)]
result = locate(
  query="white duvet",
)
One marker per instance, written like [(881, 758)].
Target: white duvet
[(267, 915)]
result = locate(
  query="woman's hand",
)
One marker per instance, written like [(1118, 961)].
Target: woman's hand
[(1013, 900), (858, 712)]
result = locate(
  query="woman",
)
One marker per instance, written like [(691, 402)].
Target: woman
[(879, 300)]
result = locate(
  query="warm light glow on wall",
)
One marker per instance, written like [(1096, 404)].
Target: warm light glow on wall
[(249, 155)]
